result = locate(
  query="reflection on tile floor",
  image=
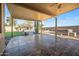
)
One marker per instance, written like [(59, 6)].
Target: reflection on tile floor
[(41, 45)]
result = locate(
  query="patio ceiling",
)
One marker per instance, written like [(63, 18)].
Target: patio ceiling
[(39, 11)]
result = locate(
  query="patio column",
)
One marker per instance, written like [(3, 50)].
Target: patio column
[(36, 27), (11, 26), (2, 38), (0, 20), (12, 11), (55, 31), (3, 19), (41, 27)]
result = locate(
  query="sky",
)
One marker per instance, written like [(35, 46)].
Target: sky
[(67, 19)]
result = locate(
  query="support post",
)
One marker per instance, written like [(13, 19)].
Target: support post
[(41, 27), (2, 18), (12, 20), (2, 37), (11, 27), (55, 31), (36, 27)]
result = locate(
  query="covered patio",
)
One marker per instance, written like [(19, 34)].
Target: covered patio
[(40, 43)]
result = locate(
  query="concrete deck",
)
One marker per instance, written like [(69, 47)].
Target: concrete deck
[(41, 45)]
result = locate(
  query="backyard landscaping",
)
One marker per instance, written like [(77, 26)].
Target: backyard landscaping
[(8, 34)]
